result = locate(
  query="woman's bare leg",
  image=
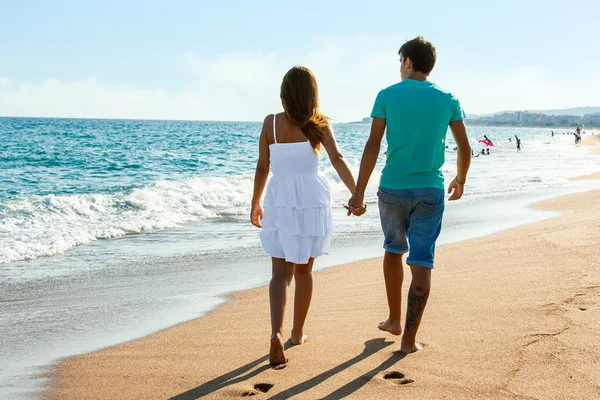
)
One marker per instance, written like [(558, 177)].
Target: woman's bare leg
[(302, 299), (282, 276)]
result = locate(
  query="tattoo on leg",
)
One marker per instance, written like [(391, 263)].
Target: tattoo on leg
[(416, 305)]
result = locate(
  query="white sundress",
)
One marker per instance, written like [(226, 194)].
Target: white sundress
[(297, 221)]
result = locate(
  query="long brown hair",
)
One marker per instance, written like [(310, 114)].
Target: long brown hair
[(300, 99)]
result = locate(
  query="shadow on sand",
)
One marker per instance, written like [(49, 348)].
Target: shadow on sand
[(247, 372)]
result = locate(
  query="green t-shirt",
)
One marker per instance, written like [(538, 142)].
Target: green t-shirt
[(417, 114)]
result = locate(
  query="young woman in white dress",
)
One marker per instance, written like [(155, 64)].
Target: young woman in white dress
[(296, 222)]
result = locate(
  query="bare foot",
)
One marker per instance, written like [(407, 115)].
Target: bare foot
[(276, 354), (407, 349), (298, 339), (387, 326)]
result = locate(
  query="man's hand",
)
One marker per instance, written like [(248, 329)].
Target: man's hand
[(456, 188), (256, 215), (463, 158), (356, 205)]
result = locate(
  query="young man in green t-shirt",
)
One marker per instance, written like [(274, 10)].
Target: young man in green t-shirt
[(416, 114)]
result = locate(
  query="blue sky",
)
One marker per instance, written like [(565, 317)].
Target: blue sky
[(224, 60)]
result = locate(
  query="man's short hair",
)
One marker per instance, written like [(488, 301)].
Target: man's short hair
[(421, 52)]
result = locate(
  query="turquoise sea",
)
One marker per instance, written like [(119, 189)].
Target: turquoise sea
[(112, 229), (66, 183)]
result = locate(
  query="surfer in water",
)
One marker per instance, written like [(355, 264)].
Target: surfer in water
[(486, 141), (518, 143)]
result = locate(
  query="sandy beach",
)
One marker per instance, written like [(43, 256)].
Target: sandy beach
[(154, 157), (511, 315)]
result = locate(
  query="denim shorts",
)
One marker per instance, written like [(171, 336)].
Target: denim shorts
[(411, 220)]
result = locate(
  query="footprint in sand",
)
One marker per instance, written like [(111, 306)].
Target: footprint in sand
[(263, 387), (258, 389), (397, 377)]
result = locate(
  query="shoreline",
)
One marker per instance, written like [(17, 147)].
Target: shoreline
[(227, 298), (203, 351), (72, 364), (172, 308)]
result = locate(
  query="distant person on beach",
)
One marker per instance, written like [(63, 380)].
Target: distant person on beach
[(510, 140), (552, 133), (518, 143), (297, 221), (487, 152), (417, 114), (577, 135)]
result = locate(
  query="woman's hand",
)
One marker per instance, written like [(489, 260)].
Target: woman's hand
[(256, 215), (356, 205)]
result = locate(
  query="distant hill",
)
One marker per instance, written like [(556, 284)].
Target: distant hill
[(480, 118), (540, 118), (576, 111), (366, 120)]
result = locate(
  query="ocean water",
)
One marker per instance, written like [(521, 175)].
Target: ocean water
[(66, 183), (113, 229)]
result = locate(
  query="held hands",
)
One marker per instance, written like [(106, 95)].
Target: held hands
[(256, 215), (356, 205), (456, 188)]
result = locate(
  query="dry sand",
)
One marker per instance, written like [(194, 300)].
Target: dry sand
[(514, 315)]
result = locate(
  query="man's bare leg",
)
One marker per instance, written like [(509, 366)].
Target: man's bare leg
[(302, 298), (393, 273), (417, 300), (282, 277)]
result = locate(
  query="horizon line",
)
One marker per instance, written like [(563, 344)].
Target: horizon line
[(258, 121)]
